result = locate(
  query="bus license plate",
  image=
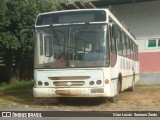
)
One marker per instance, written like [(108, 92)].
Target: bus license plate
[(99, 90)]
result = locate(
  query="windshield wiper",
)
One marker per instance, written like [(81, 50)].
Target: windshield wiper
[(54, 32), (86, 25)]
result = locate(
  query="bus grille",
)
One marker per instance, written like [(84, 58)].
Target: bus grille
[(69, 83), (70, 78)]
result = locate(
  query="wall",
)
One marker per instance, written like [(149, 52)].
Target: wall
[(141, 18), (149, 62)]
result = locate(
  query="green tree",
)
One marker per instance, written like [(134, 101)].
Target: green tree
[(16, 15)]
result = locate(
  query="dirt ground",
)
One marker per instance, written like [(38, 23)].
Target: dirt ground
[(144, 98)]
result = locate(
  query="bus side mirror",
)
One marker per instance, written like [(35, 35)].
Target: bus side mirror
[(114, 31)]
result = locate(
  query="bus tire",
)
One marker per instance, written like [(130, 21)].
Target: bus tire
[(120, 83), (113, 99)]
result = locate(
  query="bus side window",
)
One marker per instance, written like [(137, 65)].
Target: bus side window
[(119, 43), (134, 51), (113, 45), (124, 44), (132, 55), (128, 47), (113, 40)]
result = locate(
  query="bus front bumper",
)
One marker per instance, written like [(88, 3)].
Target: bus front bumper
[(70, 92)]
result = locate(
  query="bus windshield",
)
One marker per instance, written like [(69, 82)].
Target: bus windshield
[(71, 46)]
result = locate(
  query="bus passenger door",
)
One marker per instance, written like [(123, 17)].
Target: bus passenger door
[(48, 55), (45, 48), (40, 46)]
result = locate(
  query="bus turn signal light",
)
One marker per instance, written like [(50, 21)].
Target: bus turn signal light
[(106, 81)]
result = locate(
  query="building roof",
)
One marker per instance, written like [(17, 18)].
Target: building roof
[(101, 3), (81, 4)]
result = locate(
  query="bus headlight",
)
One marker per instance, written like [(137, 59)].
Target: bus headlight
[(40, 83), (46, 83), (91, 82), (98, 82)]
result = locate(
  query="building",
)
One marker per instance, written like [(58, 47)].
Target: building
[(142, 17)]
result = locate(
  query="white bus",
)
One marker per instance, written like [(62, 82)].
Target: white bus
[(83, 53)]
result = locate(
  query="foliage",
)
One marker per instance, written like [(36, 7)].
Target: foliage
[(16, 15)]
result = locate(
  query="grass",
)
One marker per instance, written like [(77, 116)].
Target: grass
[(17, 93), (17, 86), (144, 88)]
